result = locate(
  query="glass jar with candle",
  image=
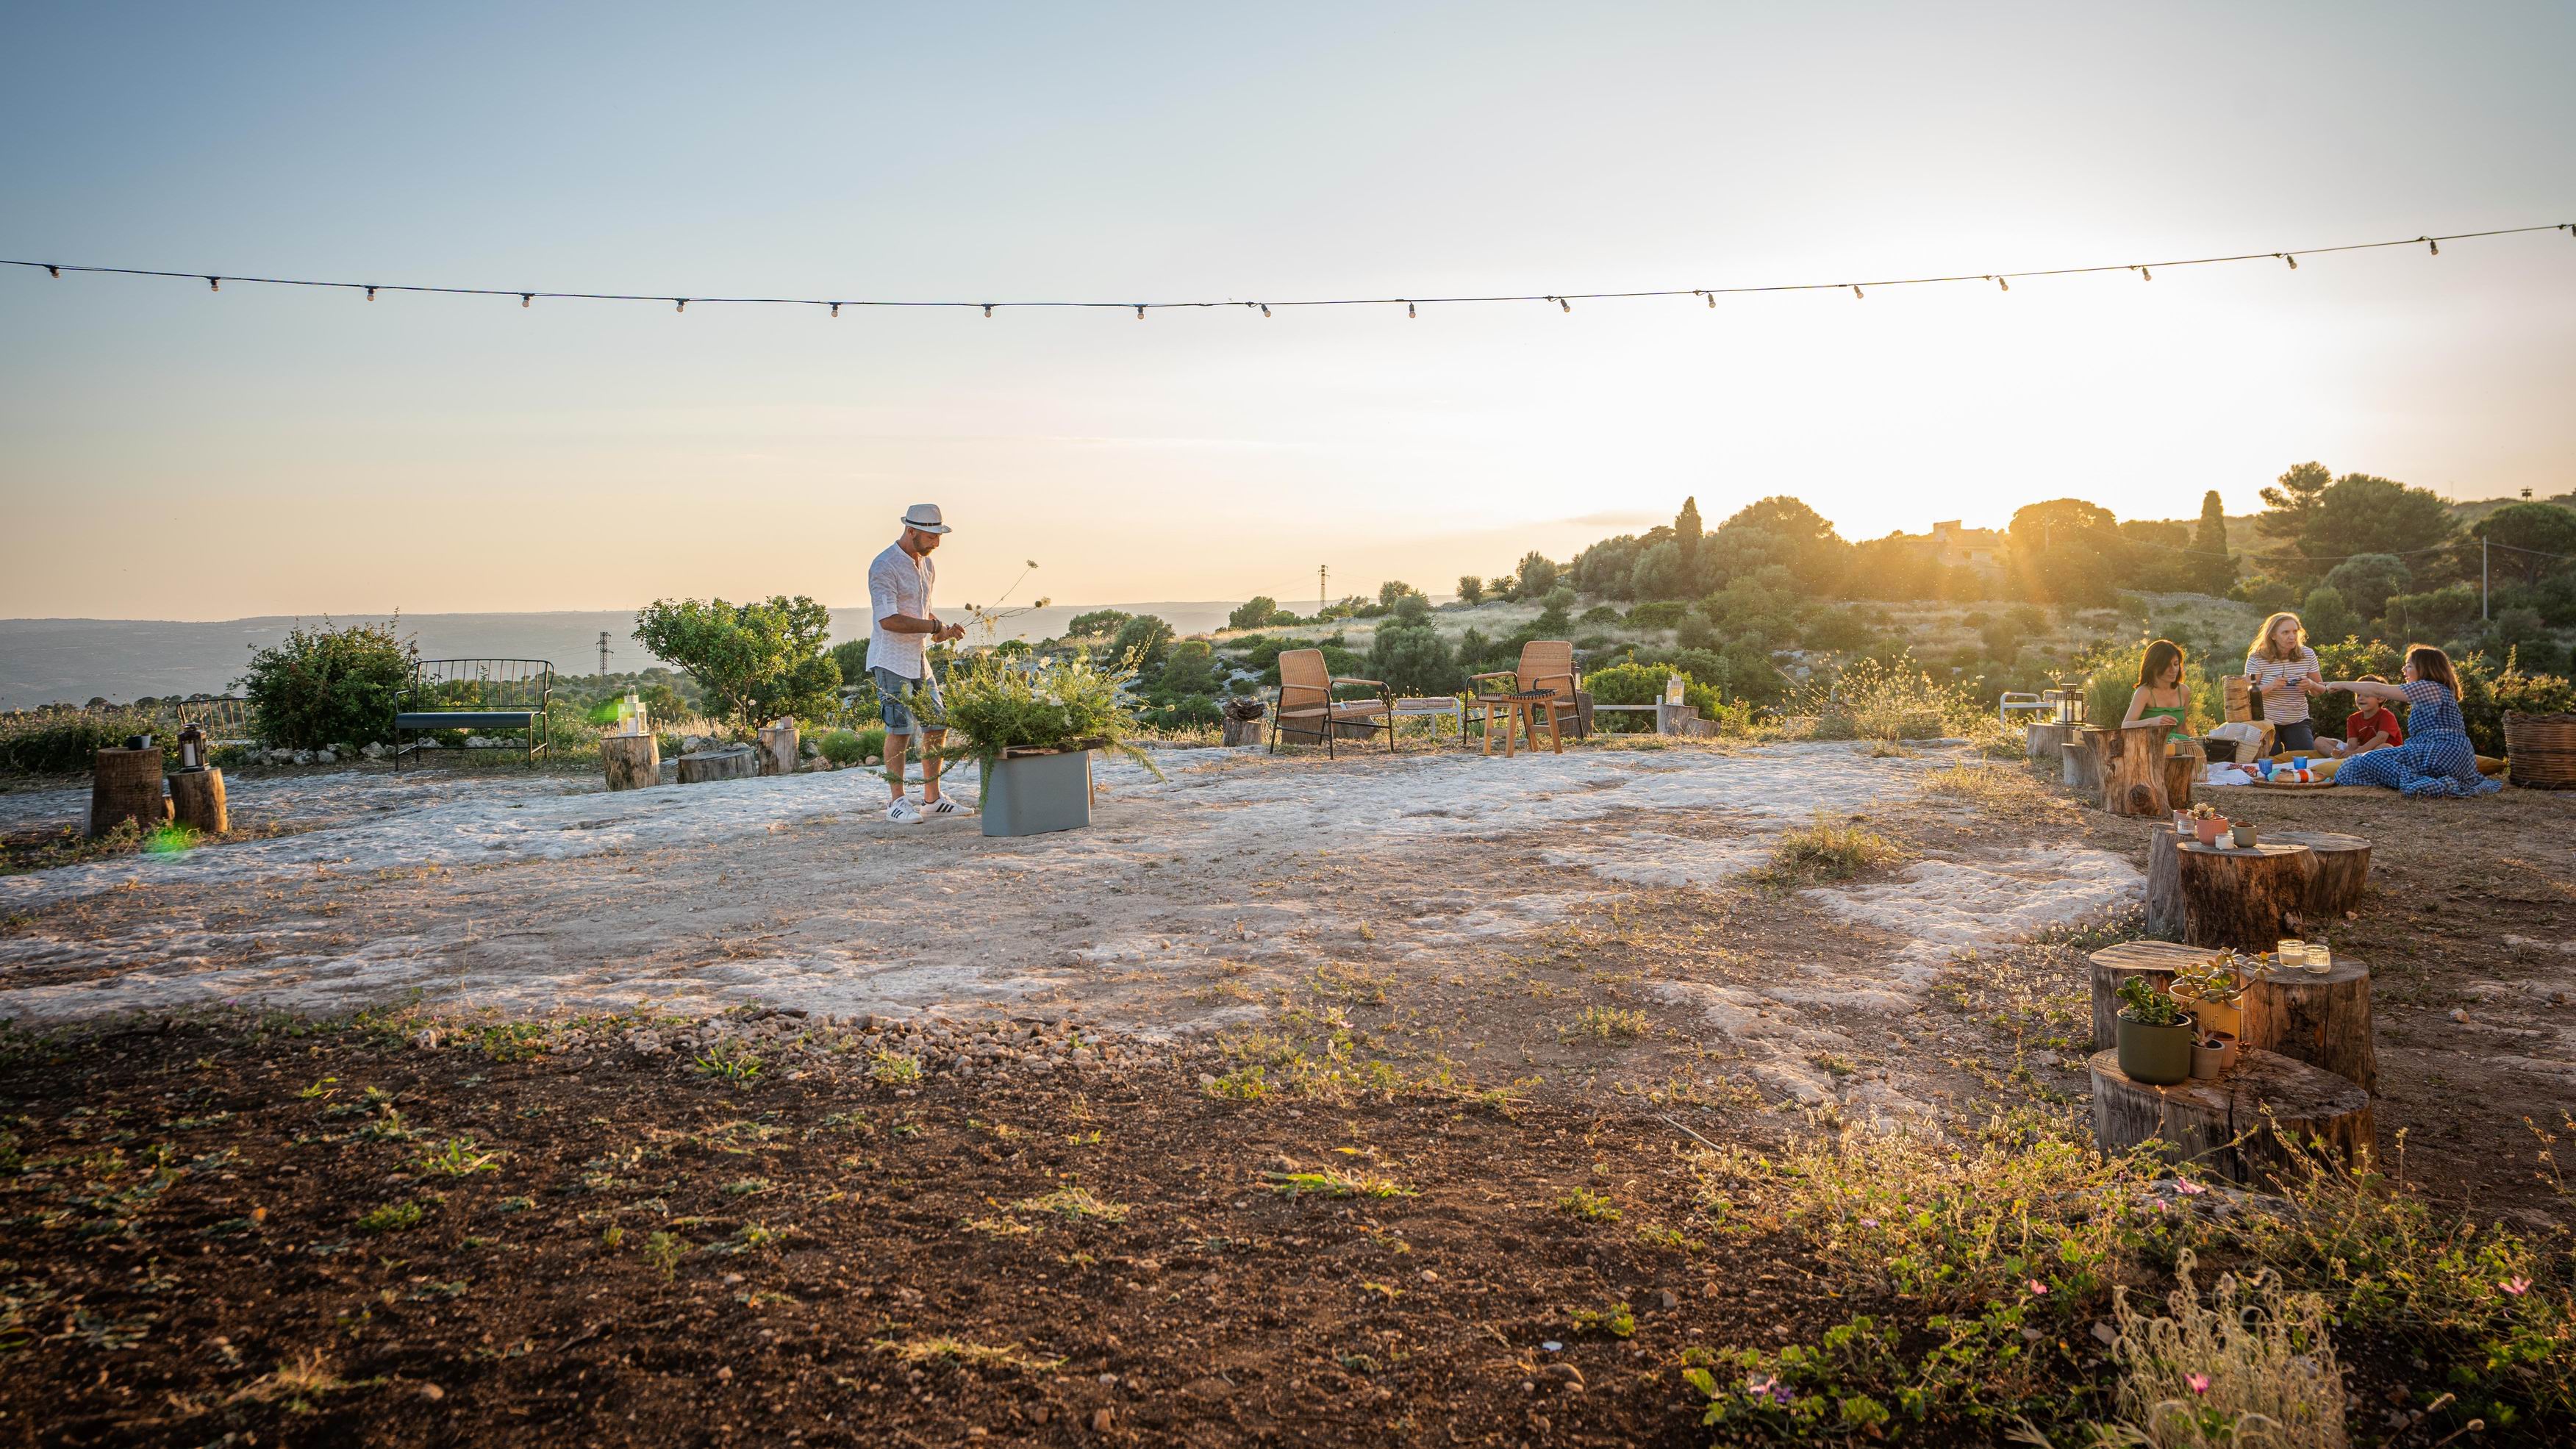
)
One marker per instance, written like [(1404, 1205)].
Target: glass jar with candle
[(2320, 955), (2292, 950)]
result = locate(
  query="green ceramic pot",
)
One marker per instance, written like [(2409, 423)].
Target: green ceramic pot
[(2156, 1055)]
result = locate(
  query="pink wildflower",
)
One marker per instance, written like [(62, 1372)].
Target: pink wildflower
[(2188, 1188), (2037, 1286), (2199, 1382), (2517, 1286)]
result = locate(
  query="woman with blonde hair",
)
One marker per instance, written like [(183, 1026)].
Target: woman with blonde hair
[(2284, 671), (2437, 758)]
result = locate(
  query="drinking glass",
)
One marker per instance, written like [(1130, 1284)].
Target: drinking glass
[(2291, 950), (2320, 955)]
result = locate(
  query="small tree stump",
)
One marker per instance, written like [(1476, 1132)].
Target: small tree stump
[(197, 800), (2157, 961), (632, 761), (2046, 740), (2079, 765), (2339, 866), (2180, 771), (2132, 765), (778, 749), (2247, 899), (733, 762), (2269, 1101), (2164, 883), (126, 785), (2321, 1020)]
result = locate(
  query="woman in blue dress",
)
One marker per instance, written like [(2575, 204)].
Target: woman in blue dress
[(2437, 758)]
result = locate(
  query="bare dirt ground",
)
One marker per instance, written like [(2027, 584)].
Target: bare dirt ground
[(1487, 984)]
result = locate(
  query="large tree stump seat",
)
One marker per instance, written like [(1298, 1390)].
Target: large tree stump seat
[(2337, 869), (2247, 899), (2112, 965), (734, 762), (2322, 1020), (126, 785), (632, 762), (2131, 764), (2241, 1126)]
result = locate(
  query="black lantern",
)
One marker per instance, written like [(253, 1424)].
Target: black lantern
[(192, 746)]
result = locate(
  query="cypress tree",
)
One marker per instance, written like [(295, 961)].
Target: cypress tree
[(2215, 567)]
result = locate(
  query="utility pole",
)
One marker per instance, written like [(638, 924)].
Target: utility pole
[(1321, 572), (603, 653), (2482, 579)]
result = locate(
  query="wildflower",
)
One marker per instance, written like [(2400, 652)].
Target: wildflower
[(2517, 1286), (1869, 1222), (2036, 1286), (1760, 1385), (2199, 1382), (2188, 1188)]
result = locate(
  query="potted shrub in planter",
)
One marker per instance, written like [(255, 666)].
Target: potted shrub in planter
[(2207, 825), (1031, 728), (2155, 1037)]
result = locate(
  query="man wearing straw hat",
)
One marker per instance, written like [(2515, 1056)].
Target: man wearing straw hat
[(899, 584)]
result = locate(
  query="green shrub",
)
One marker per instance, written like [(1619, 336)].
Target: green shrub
[(322, 688), (756, 661), (844, 747), (1659, 614), (1634, 683), (1414, 661), (65, 741)]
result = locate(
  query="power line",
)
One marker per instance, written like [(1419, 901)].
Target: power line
[(1563, 300)]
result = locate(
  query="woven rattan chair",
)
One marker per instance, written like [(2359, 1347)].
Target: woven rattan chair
[(1306, 705), (1546, 664)]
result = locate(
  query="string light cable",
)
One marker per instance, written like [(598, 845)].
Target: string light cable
[(2465, 540), (1564, 300)]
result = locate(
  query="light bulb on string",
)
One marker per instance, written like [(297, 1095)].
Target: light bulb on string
[(2000, 282), (1712, 300), (681, 304), (988, 309), (1562, 304), (2436, 246), (525, 298), (214, 284), (1408, 309), (2143, 272), (1855, 290), (1265, 309), (52, 271), (2285, 256), (1140, 311), (836, 309), (371, 294)]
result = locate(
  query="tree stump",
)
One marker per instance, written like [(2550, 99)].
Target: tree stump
[(2131, 761), (2180, 771), (778, 749), (1245, 731), (2157, 961), (2248, 899), (2321, 1020), (632, 761), (2339, 867), (2273, 1103), (126, 785), (2164, 883), (197, 800), (2046, 740), (2080, 765), (733, 762)]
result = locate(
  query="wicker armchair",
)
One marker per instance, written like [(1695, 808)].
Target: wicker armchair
[(1545, 664), (1306, 706)]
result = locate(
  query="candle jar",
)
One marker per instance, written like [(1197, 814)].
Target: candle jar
[(2320, 955), (2292, 951)]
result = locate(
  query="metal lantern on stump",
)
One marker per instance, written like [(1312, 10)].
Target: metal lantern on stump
[(192, 746)]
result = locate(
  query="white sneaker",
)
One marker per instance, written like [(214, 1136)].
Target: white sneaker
[(941, 806), (903, 812)]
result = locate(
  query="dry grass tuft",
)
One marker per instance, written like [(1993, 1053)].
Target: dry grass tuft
[(2012, 794), (2256, 1367), (1825, 850)]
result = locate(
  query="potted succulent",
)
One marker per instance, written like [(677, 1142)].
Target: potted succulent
[(2206, 823), (2214, 993), (2155, 1037), (1031, 727)]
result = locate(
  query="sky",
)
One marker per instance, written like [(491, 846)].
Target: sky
[(171, 452)]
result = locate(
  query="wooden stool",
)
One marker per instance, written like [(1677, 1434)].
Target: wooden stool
[(197, 800), (2247, 899), (2322, 1020), (632, 761), (2157, 961), (2129, 767), (734, 762), (2338, 868), (2236, 1126), (126, 785)]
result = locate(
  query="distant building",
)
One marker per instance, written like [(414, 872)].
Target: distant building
[(1953, 546)]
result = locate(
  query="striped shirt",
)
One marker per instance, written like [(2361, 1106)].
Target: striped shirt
[(2277, 681)]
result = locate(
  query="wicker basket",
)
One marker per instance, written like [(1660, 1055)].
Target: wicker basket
[(2541, 750)]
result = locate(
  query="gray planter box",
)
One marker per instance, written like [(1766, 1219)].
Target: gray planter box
[(1034, 794)]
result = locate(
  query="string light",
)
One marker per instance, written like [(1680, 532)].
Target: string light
[(1564, 300)]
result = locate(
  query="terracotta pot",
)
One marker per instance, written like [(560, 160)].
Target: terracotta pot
[(2206, 831)]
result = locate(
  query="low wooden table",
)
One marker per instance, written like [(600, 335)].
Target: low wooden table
[(1525, 706), (2247, 899), (2236, 1125)]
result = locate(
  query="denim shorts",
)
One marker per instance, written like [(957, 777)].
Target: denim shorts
[(899, 694), (2298, 737)]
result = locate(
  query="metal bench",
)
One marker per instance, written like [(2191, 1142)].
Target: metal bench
[(474, 695)]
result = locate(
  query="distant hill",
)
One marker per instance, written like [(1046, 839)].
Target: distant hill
[(75, 660)]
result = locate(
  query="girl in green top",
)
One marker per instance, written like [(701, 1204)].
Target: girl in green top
[(2161, 694)]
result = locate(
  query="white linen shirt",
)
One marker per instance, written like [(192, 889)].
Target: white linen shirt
[(898, 583), (2277, 680)]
